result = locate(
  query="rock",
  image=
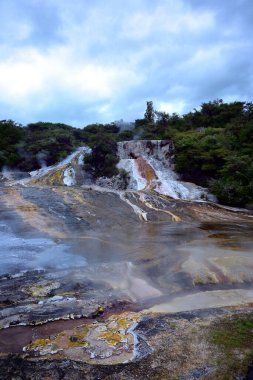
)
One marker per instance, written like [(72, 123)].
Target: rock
[(100, 310), (117, 182)]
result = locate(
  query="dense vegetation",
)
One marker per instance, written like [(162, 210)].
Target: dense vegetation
[(37, 144), (214, 145), (10, 136), (103, 141)]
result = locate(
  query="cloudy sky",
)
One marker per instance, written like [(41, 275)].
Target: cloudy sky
[(84, 61)]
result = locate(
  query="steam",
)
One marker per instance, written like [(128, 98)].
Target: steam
[(7, 173), (42, 158), (124, 125)]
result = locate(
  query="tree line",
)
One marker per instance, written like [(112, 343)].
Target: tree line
[(213, 145)]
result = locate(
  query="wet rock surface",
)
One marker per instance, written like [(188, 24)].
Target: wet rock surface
[(90, 279)]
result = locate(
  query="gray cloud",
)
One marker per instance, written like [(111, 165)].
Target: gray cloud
[(80, 62)]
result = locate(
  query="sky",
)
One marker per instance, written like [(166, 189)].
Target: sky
[(86, 61)]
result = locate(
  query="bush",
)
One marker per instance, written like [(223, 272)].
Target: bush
[(11, 134), (103, 159)]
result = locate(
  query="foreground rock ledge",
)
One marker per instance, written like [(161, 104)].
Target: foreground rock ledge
[(202, 344)]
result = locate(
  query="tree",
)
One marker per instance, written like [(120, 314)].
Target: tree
[(162, 118), (11, 134), (235, 185), (103, 159), (150, 113)]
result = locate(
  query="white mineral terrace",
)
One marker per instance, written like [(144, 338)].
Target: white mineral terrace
[(77, 155), (158, 156)]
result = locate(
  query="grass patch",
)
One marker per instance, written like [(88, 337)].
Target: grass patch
[(232, 334), (233, 341)]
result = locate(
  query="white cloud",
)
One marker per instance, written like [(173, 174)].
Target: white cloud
[(31, 73), (177, 106), (204, 56), (97, 81), (172, 18), (21, 76)]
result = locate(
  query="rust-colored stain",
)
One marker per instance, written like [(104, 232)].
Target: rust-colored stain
[(146, 171)]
